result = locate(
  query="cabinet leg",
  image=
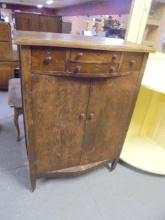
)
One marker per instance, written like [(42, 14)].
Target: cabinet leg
[(112, 166), (33, 180), (16, 116)]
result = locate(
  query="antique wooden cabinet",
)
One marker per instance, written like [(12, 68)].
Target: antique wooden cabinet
[(78, 96)]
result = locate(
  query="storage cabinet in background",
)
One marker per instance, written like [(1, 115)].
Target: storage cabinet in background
[(8, 62), (35, 22), (5, 38), (78, 99)]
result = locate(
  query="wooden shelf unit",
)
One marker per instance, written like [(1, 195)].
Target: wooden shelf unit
[(155, 25)]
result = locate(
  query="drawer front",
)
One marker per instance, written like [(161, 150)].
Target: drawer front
[(5, 47), (5, 32), (92, 70), (131, 62), (48, 59), (94, 56)]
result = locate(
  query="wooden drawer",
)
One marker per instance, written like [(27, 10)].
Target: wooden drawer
[(5, 47), (48, 59), (92, 56), (93, 70), (131, 62), (5, 32)]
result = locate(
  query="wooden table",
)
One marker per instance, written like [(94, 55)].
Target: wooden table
[(78, 97)]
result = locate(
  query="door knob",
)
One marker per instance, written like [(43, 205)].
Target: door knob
[(77, 69), (90, 116), (47, 60), (79, 55), (82, 116), (132, 62)]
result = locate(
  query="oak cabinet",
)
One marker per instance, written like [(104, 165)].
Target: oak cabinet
[(78, 99)]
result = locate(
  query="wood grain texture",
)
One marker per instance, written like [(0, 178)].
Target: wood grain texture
[(58, 103), (76, 41), (57, 59), (109, 106)]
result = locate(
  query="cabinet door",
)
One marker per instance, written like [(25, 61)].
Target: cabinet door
[(50, 24), (59, 106), (108, 117)]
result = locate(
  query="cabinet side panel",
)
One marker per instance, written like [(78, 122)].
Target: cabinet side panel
[(25, 55)]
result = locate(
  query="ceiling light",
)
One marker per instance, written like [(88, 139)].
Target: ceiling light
[(39, 6), (49, 2)]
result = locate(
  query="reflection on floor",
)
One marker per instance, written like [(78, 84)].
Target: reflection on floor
[(99, 195)]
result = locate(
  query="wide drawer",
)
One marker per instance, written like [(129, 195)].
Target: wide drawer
[(48, 59), (93, 56), (93, 70)]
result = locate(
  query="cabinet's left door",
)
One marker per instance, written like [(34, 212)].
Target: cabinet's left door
[(59, 104)]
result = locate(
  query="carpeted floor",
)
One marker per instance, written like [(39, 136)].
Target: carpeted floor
[(99, 195)]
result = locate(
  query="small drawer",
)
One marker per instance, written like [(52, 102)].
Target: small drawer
[(92, 70), (48, 59), (93, 56), (131, 62)]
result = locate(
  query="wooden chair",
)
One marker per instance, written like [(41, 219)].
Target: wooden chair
[(15, 101)]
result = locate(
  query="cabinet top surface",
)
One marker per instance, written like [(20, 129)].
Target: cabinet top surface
[(32, 38)]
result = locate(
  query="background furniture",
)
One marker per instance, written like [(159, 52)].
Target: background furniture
[(8, 62), (78, 100), (5, 38), (155, 25), (144, 147), (36, 22), (15, 101)]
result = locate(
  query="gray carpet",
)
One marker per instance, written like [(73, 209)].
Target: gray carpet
[(99, 195)]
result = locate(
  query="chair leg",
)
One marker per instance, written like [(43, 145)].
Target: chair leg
[(17, 112)]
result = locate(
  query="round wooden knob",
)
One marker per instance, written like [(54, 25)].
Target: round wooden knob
[(114, 56), (79, 55), (82, 116), (112, 69), (47, 60), (77, 69), (132, 62), (90, 116)]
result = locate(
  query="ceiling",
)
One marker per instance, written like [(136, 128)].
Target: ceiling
[(55, 4)]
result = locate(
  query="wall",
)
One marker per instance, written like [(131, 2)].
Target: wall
[(97, 8)]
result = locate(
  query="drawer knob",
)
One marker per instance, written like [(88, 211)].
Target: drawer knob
[(112, 69), (77, 69), (132, 62), (47, 60), (79, 55), (90, 116), (82, 116), (114, 57)]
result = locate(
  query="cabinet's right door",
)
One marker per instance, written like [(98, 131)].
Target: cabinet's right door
[(109, 111)]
